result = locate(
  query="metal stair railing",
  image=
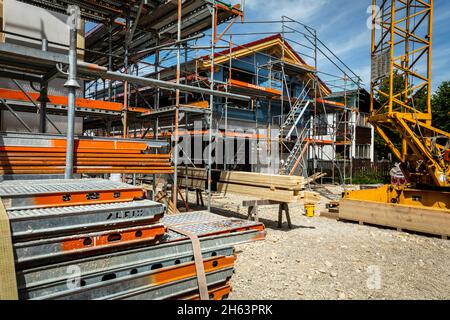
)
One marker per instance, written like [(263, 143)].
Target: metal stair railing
[(292, 116), (290, 160)]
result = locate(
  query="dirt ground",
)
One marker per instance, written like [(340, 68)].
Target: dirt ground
[(322, 258)]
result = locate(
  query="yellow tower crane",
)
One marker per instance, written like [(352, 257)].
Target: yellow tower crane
[(402, 38)]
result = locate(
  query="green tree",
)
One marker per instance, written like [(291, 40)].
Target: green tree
[(440, 102), (381, 148), (441, 107)]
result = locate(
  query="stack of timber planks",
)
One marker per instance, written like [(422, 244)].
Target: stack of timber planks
[(289, 189)]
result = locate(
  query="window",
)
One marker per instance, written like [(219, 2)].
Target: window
[(362, 152)]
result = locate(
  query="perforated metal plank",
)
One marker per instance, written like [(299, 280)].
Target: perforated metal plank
[(27, 194), (175, 288), (196, 216), (203, 223), (9, 139), (107, 263), (40, 289), (142, 282), (33, 187), (46, 222), (38, 252)]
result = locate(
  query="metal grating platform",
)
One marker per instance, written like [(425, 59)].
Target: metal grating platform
[(31, 187), (36, 289), (48, 222), (203, 223)]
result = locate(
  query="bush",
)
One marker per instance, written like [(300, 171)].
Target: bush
[(370, 178)]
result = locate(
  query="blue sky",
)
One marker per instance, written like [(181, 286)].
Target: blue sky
[(342, 26)]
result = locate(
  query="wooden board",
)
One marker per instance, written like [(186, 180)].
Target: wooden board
[(268, 194), (193, 183), (259, 192), (234, 182), (247, 178), (8, 284), (432, 221)]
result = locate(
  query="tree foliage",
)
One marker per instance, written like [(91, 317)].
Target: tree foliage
[(440, 102), (441, 107)]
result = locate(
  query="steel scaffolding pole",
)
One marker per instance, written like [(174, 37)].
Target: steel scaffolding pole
[(177, 107), (72, 86), (43, 97), (211, 103)]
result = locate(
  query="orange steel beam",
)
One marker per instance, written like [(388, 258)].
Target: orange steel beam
[(46, 162), (318, 141), (188, 270), (62, 149), (332, 103), (63, 199), (87, 159), (243, 84), (88, 170), (137, 109), (114, 238), (37, 153), (216, 293), (16, 95), (198, 104), (96, 144)]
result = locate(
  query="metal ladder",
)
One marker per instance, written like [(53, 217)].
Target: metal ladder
[(296, 112)]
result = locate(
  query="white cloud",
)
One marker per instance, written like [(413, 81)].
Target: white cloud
[(302, 10), (351, 44)]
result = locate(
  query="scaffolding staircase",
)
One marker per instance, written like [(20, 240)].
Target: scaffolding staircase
[(296, 113), (297, 152)]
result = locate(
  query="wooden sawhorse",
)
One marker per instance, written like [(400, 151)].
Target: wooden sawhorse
[(199, 197), (253, 210)]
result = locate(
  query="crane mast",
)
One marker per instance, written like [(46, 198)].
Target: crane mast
[(401, 113), (402, 38)]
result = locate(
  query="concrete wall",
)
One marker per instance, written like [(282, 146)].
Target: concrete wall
[(32, 21), (36, 22), (10, 123)]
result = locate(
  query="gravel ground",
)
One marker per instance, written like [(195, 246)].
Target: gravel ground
[(322, 258)]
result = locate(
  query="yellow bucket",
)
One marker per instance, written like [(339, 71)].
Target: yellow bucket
[(309, 209)]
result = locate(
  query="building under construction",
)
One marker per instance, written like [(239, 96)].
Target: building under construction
[(110, 90)]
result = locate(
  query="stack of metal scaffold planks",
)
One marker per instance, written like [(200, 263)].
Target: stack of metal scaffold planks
[(287, 189), (46, 154), (99, 239)]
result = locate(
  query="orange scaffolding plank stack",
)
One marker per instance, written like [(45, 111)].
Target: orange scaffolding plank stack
[(40, 154)]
